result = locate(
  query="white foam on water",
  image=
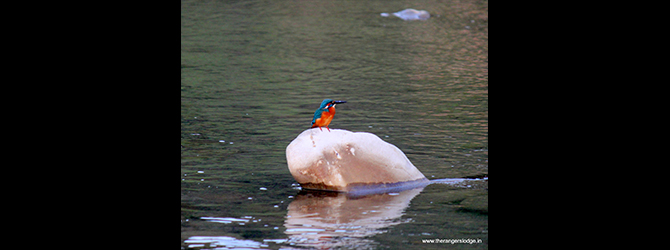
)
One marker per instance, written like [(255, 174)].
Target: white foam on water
[(222, 241), (225, 220), (305, 230), (278, 241)]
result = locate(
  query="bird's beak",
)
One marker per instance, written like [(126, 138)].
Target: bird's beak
[(337, 102)]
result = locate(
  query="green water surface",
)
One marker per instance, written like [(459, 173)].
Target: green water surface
[(252, 74)]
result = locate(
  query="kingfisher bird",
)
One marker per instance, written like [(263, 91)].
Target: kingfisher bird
[(324, 114)]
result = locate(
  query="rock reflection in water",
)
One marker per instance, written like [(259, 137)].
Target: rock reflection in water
[(328, 219)]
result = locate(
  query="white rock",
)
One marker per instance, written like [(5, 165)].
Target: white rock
[(340, 160), (412, 14)]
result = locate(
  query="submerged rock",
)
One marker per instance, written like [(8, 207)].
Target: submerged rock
[(342, 160), (410, 14)]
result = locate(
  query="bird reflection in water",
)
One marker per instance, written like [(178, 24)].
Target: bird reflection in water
[(325, 220)]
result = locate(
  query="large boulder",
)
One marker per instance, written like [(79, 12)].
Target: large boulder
[(341, 160)]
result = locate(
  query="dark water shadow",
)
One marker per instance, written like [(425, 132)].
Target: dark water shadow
[(323, 220)]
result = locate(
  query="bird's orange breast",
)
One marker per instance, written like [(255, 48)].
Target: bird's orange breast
[(326, 118)]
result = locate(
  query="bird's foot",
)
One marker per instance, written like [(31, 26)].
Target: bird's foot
[(328, 128)]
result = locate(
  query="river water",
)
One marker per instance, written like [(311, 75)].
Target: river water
[(252, 74)]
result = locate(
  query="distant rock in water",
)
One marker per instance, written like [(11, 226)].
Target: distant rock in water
[(345, 161), (410, 14)]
